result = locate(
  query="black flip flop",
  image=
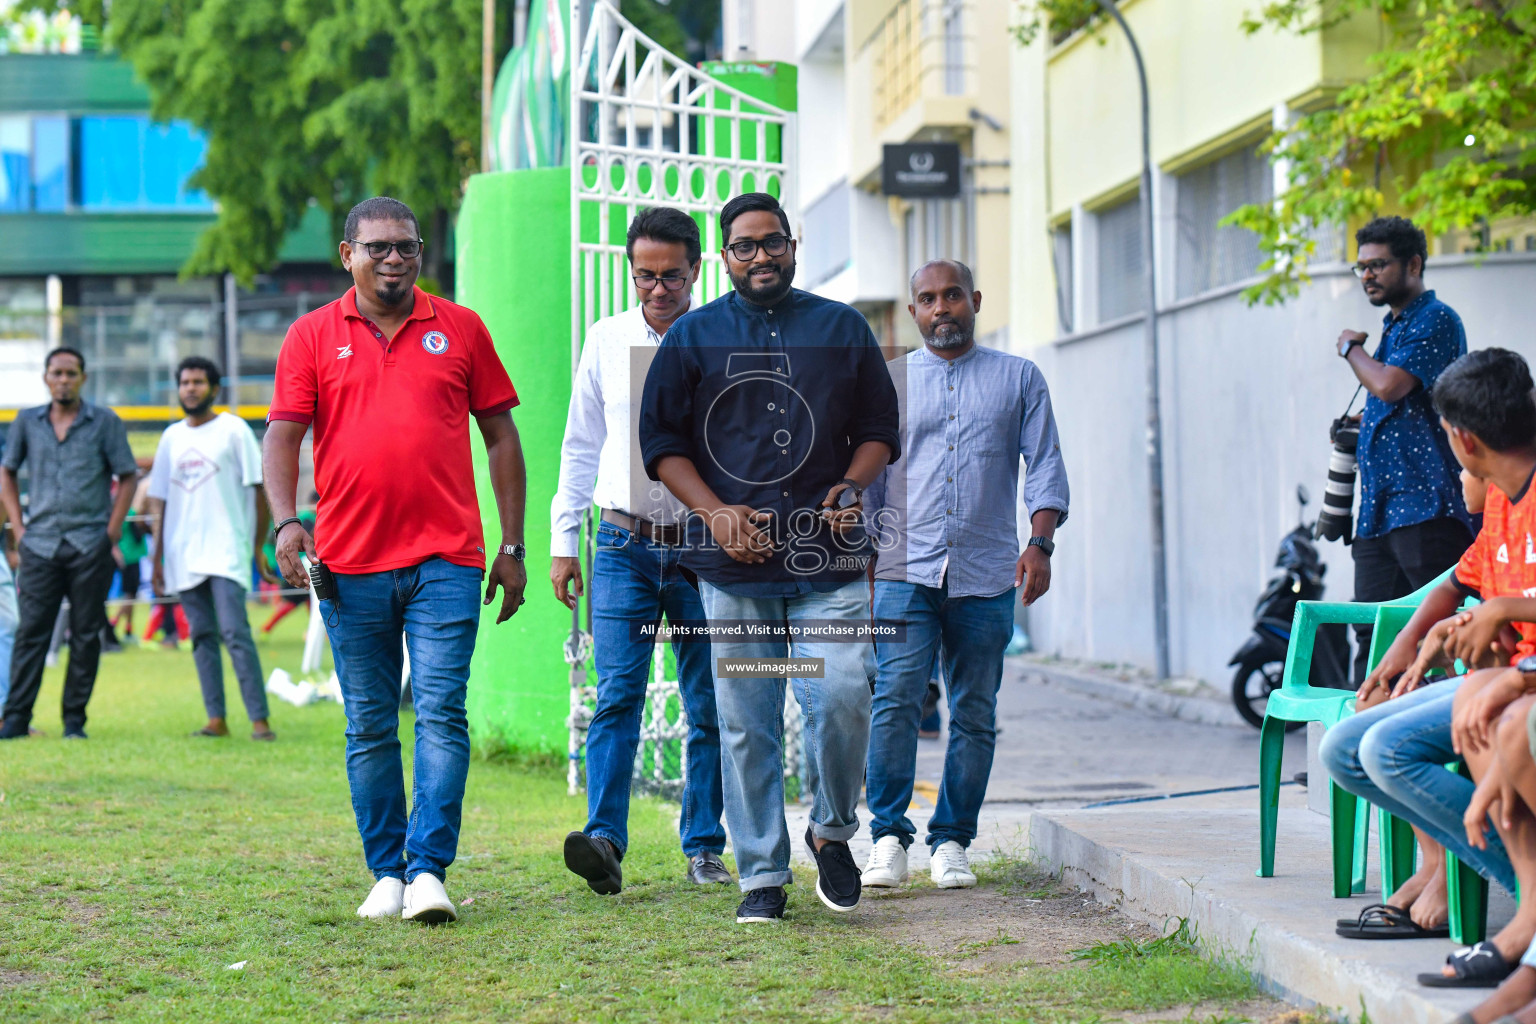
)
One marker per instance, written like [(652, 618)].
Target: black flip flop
[(1345, 922), (1479, 966), (1385, 922)]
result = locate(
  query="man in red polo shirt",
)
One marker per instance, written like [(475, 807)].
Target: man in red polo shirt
[(389, 377)]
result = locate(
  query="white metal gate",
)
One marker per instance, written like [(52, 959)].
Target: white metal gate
[(647, 129)]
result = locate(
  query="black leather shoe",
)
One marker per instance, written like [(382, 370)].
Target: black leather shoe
[(708, 869), (837, 877), (595, 859)]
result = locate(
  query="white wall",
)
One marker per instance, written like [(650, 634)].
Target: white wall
[(1247, 397)]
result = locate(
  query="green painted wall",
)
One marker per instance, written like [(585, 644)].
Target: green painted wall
[(72, 83), (514, 269)]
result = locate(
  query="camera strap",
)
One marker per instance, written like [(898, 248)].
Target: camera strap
[(1351, 404)]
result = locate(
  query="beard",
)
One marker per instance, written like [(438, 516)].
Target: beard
[(199, 408), (957, 338), (391, 294), (764, 294)]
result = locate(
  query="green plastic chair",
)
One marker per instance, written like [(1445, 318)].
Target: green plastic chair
[(1298, 701)]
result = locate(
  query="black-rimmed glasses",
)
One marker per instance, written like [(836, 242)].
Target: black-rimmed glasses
[(408, 249), (773, 245), (671, 282), (1371, 267)]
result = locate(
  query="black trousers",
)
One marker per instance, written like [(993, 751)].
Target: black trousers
[(42, 584), (1399, 562)]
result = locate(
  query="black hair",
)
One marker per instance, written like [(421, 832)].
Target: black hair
[(1488, 393), (967, 279), (1400, 234), (379, 208), (747, 202), (208, 366), (64, 350), (665, 224)]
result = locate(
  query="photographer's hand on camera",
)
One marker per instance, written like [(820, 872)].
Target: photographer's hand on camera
[(565, 577), (741, 532), (511, 576), (293, 543)]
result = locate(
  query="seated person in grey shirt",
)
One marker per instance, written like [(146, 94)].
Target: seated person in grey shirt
[(949, 565)]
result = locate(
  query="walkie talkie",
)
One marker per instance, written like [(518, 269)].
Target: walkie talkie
[(321, 579)]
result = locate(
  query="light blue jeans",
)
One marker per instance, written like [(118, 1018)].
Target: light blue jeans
[(1395, 755), (9, 618), (436, 605), (751, 711)]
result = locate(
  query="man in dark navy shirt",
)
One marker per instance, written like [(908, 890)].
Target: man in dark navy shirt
[(761, 411), (1413, 524)]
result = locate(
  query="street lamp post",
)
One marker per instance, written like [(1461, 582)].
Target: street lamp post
[(1154, 407)]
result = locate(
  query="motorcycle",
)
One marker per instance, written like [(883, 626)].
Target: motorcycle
[(1261, 661)]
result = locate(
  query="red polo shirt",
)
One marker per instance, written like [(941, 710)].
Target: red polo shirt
[(391, 417)]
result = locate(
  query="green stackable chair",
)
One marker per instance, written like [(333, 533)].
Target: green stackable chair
[(1300, 702)]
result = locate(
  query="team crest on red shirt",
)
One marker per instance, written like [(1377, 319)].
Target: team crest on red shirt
[(435, 342)]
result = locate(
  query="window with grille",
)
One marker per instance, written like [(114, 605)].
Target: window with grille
[(1122, 288), (1061, 258), (1209, 256)]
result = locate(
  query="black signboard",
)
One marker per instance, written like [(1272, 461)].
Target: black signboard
[(922, 170)]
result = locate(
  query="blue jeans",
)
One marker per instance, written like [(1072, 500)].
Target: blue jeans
[(835, 713), (437, 606), (1395, 755), (633, 582), (9, 618), (975, 631)]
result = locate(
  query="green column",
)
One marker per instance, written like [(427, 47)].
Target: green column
[(514, 269)]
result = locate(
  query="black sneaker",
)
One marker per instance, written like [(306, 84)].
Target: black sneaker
[(837, 876), (595, 859), (74, 734), (764, 905)]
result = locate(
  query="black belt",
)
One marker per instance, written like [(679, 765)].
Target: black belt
[(670, 535)]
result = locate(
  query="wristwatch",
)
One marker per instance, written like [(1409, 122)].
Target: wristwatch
[(1526, 665), (517, 551), (853, 485), (1043, 543), (1345, 348)]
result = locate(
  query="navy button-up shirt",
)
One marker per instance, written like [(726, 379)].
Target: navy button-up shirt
[(949, 511), (1408, 474), (770, 403)]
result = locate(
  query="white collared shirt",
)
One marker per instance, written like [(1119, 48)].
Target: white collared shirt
[(600, 459)]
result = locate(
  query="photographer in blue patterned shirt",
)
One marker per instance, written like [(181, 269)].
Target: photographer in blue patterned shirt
[(1412, 524)]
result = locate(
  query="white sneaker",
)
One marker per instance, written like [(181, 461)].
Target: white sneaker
[(887, 864), (386, 899), (427, 901), (950, 868)]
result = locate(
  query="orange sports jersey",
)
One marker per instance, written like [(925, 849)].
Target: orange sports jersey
[(1502, 560)]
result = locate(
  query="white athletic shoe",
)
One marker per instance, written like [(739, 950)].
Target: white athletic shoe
[(950, 868), (887, 864), (427, 901), (386, 899)]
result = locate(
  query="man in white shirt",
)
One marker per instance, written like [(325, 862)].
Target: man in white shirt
[(636, 573), (208, 523)]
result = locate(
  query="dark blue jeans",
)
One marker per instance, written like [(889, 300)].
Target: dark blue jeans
[(975, 632), (633, 582), (436, 605)]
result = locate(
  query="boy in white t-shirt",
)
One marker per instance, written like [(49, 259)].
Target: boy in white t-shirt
[(204, 489)]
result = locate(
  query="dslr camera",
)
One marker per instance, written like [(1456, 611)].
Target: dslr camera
[(1336, 521)]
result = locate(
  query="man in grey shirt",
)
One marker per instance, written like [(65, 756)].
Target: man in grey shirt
[(71, 450), (949, 563)]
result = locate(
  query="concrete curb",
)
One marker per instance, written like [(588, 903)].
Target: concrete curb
[(1132, 695), (1271, 934)]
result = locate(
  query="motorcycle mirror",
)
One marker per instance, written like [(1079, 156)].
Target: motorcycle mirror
[(1303, 495)]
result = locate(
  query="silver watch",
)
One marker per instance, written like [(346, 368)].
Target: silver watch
[(517, 551)]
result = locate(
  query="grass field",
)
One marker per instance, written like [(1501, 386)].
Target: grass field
[(136, 867)]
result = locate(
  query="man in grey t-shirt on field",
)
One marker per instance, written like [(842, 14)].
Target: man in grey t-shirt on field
[(71, 450)]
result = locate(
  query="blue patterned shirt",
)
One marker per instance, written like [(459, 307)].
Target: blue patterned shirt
[(1407, 472)]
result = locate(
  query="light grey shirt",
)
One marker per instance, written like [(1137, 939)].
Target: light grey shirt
[(948, 510), (69, 490)]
